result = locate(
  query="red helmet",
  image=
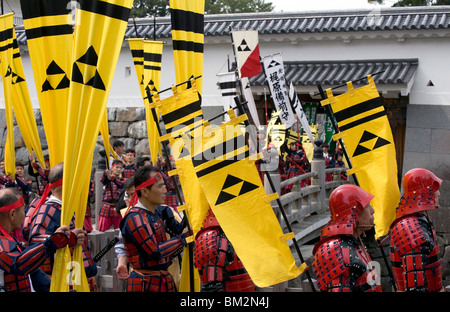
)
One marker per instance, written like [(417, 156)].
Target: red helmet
[(419, 186), (347, 201), (419, 179)]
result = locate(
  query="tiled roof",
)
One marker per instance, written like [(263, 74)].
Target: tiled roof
[(433, 17), (386, 19), (334, 73)]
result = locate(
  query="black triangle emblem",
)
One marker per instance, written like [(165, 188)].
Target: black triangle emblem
[(243, 47), (96, 82), (360, 150), (64, 83), (77, 76), (90, 57), (16, 78), (381, 142), (46, 86), (367, 136), (273, 64), (54, 69), (232, 181), (247, 187)]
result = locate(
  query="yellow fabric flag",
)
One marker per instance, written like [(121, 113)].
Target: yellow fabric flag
[(6, 58), (185, 285), (147, 57), (187, 18), (181, 113), (48, 26), (152, 84), (23, 110), (365, 130), (99, 31), (236, 195)]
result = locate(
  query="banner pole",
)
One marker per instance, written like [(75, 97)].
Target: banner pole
[(177, 191), (269, 178)]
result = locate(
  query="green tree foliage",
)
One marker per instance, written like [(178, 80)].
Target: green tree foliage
[(146, 8), (402, 3), (237, 6)]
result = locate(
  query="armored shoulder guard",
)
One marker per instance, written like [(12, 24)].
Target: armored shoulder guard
[(329, 262), (406, 234), (206, 248)]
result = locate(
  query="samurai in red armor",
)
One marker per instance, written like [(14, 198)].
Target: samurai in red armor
[(45, 218), (415, 259), (143, 228), (219, 267), (341, 262), (19, 263)]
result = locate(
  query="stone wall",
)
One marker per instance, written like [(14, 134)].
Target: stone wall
[(126, 124)]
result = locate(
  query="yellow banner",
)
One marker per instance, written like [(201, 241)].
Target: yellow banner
[(99, 31), (48, 26), (188, 39), (6, 59), (234, 190), (23, 110), (365, 130), (181, 112), (152, 83)]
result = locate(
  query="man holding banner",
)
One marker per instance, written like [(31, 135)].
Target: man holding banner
[(143, 229)]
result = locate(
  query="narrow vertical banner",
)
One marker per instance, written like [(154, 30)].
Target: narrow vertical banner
[(248, 95), (365, 130), (23, 110), (6, 58), (274, 70), (227, 85), (151, 84), (246, 49), (187, 18), (298, 108), (48, 26), (99, 31)]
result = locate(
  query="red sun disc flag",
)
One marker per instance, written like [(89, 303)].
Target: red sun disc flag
[(246, 47)]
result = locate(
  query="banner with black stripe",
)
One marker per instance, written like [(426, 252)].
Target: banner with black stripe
[(48, 26), (152, 84), (236, 195), (180, 112), (6, 58), (367, 136), (98, 36), (227, 85), (187, 18)]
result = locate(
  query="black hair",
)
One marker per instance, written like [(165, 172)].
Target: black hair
[(130, 150), (56, 173), (116, 161), (140, 162), (20, 164), (142, 175), (118, 143)]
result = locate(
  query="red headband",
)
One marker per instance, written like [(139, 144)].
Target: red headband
[(115, 164), (47, 189), (157, 177), (17, 204)]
